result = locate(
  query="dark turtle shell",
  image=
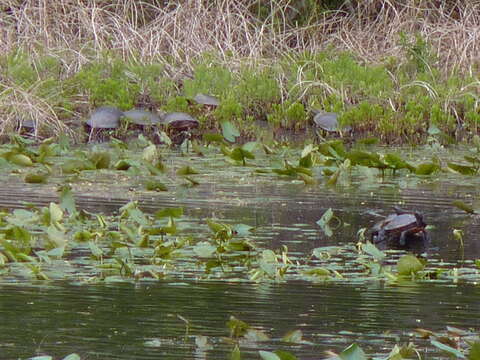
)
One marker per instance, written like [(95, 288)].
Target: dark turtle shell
[(400, 224), (180, 121), (105, 117)]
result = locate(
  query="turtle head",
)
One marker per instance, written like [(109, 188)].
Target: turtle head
[(419, 218)]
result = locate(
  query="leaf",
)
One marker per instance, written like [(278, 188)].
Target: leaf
[(249, 146), (237, 327), (72, 357), (56, 213), (353, 352), (267, 355), (324, 220), (409, 264), (229, 131), (448, 349), (462, 169), (36, 178), (187, 170), (56, 237), (294, 336), (20, 159), (235, 355), (122, 165), (213, 138), (67, 201), (474, 353), (169, 212), (255, 335), (240, 154), (285, 355), (204, 249), (372, 250), (427, 169), (155, 185), (101, 160), (150, 154), (463, 206)]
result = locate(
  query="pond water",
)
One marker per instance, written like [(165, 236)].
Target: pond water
[(147, 319)]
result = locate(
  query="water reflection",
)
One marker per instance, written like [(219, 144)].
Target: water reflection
[(147, 321)]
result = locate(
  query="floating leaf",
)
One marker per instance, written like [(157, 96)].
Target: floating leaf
[(187, 170), (463, 206), (409, 264), (324, 220), (474, 353), (155, 185), (427, 169), (463, 169), (36, 178), (72, 357), (267, 355), (169, 212), (372, 250), (353, 352), (20, 159), (204, 249), (448, 349), (285, 355)]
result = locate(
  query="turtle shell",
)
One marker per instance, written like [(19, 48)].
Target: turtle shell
[(180, 121), (404, 222), (105, 117), (209, 100), (142, 117), (399, 222), (326, 121)]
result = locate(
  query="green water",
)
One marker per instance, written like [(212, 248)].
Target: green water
[(128, 321), (153, 319)]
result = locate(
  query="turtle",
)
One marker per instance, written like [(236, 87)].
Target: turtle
[(328, 121), (400, 225), (142, 117), (208, 100), (179, 125), (104, 117), (180, 121)]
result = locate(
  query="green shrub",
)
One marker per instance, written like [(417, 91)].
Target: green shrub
[(108, 83)]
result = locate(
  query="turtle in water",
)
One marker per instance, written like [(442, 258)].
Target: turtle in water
[(400, 225), (104, 117)]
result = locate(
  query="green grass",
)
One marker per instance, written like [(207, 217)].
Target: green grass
[(396, 100)]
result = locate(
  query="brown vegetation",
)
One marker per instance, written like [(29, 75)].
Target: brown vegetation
[(150, 30)]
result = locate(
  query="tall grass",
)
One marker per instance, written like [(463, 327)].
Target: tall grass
[(440, 39)]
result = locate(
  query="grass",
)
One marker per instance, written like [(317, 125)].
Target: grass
[(389, 69)]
